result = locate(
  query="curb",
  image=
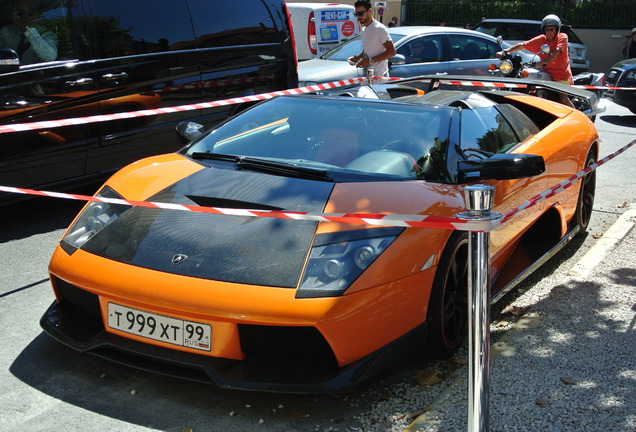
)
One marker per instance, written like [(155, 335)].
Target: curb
[(610, 239), (505, 345)]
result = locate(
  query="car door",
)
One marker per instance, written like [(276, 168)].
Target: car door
[(54, 88), (424, 55), (471, 53), (489, 130), (145, 58)]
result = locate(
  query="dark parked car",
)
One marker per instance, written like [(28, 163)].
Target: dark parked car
[(117, 56), (623, 74), (420, 50), (514, 31)]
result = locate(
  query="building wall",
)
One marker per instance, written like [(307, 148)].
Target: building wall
[(604, 47)]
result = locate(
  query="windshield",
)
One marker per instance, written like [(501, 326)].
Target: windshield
[(334, 135), (350, 48)]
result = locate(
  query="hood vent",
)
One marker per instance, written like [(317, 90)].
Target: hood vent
[(204, 201)]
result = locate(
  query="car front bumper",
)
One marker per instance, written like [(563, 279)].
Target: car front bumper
[(262, 338), (87, 335)]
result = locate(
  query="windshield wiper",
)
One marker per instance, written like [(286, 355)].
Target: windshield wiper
[(264, 165), (282, 168), (215, 156)]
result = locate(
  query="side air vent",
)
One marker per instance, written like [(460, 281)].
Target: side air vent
[(286, 343)]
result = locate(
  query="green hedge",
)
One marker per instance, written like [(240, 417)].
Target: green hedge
[(578, 13)]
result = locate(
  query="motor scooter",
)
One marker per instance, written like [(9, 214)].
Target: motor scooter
[(513, 66)]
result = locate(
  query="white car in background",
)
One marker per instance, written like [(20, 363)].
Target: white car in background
[(442, 50)]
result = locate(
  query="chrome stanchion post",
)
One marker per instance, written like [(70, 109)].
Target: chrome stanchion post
[(370, 72), (479, 203)]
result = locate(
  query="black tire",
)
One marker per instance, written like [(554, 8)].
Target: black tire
[(448, 306), (585, 202)]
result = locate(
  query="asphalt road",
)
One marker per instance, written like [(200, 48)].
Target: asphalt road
[(45, 386)]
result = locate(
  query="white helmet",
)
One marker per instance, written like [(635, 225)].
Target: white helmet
[(551, 20)]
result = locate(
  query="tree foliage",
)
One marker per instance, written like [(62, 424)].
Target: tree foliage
[(578, 13)]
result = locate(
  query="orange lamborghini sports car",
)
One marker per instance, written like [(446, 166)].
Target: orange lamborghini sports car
[(304, 306)]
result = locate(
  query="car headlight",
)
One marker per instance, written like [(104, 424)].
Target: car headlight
[(94, 218), (336, 260), (631, 74), (505, 67)]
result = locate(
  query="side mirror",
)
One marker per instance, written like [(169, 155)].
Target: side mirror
[(9, 60), (499, 39), (397, 59), (188, 131), (501, 166), (545, 49)]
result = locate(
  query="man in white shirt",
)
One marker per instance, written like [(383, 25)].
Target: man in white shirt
[(377, 45)]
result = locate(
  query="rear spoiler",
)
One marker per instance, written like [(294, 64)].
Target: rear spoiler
[(587, 101)]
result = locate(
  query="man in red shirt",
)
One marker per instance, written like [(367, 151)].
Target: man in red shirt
[(557, 61)]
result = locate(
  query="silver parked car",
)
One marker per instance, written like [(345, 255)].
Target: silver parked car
[(514, 31), (421, 50)]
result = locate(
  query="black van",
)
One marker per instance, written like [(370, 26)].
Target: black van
[(105, 57)]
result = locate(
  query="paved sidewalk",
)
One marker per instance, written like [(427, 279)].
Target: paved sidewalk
[(570, 363)]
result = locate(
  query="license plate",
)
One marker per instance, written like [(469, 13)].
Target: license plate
[(174, 331)]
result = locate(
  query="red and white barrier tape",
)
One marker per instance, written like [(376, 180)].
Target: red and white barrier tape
[(590, 87), (49, 124), (376, 219), (565, 183), (417, 221), (512, 85), (482, 84)]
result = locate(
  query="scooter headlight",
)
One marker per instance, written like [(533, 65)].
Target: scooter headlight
[(505, 67), (336, 260)]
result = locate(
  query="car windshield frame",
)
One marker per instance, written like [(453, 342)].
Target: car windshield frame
[(331, 139)]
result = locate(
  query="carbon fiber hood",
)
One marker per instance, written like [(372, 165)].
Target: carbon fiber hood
[(259, 251)]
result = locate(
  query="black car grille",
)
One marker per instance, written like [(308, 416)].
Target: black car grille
[(613, 78), (618, 77), (79, 300), (285, 343), (80, 316)]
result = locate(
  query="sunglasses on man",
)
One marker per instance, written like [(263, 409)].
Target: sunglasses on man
[(359, 14)]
